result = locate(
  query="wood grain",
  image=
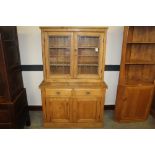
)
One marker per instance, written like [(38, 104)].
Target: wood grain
[(75, 99)]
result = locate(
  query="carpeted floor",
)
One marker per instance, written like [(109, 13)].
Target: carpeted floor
[(109, 123)]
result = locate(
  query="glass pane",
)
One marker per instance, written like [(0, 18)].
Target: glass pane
[(88, 41), (88, 54), (59, 54), (59, 41)]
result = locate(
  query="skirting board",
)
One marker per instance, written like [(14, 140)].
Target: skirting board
[(40, 67), (39, 108)]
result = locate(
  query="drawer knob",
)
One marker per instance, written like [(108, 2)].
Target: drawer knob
[(58, 93), (87, 92)]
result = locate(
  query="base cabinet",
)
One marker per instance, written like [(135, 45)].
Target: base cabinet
[(133, 102), (73, 108)]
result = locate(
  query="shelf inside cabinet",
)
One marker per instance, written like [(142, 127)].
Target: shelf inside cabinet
[(140, 73), (58, 47), (92, 47), (61, 65), (87, 64), (137, 42), (88, 55), (138, 83), (141, 34), (140, 63)]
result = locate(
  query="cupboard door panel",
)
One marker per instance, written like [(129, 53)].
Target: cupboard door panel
[(59, 54), (135, 102), (89, 59), (88, 109), (58, 109)]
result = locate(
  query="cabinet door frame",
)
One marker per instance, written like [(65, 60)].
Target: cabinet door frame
[(56, 99), (98, 113), (123, 102), (101, 56), (48, 75)]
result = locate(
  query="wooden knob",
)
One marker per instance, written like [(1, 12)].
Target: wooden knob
[(87, 92), (58, 93)]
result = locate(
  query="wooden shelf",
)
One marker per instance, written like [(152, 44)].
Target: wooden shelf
[(88, 55), (140, 63), (137, 42), (58, 47), (88, 47), (138, 83), (88, 65), (53, 56), (61, 65)]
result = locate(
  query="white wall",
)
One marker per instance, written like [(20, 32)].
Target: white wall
[(30, 52)]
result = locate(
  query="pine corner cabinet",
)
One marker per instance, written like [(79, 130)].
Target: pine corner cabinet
[(137, 74), (73, 89)]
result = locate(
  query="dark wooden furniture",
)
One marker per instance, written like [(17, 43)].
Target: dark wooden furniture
[(13, 100), (136, 82)]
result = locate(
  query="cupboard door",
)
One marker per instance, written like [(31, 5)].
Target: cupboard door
[(135, 103), (58, 110), (88, 55), (59, 54), (87, 109)]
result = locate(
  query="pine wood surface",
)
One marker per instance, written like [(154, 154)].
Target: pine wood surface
[(137, 74), (73, 90)]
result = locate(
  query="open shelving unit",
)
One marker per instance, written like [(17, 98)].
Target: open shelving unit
[(137, 74)]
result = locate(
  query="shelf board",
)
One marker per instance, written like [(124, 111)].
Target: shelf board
[(57, 56), (88, 55), (61, 65), (137, 42), (88, 47), (138, 83), (90, 65), (59, 47), (140, 63)]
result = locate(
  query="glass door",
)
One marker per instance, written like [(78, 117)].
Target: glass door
[(88, 48), (59, 54)]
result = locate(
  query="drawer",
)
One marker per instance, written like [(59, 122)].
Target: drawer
[(88, 92), (58, 92)]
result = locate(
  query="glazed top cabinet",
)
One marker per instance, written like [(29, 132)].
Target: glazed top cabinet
[(73, 52)]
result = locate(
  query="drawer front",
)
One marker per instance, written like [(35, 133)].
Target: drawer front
[(89, 92), (58, 92)]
